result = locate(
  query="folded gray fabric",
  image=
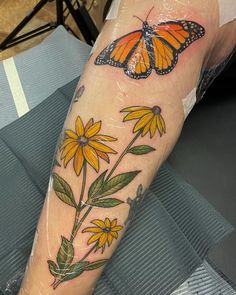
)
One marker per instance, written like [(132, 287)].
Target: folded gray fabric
[(168, 239), (206, 280), (31, 76)]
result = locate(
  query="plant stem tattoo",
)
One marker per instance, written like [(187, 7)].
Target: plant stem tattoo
[(84, 147), (152, 48)]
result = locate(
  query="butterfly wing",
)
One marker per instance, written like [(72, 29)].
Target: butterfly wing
[(129, 52), (138, 65), (117, 53), (138, 53), (179, 34), (164, 57), (171, 38)]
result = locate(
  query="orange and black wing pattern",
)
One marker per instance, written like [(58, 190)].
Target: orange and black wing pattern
[(118, 52), (155, 47), (139, 64), (129, 52), (171, 38)]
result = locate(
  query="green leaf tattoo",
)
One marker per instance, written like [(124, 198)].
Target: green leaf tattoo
[(141, 150), (63, 190), (65, 254), (117, 183), (96, 264), (106, 203), (100, 193), (75, 270), (53, 268), (96, 185)]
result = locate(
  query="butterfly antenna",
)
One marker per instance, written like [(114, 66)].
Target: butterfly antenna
[(149, 13), (138, 18)]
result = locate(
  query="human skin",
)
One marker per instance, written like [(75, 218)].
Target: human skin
[(107, 91)]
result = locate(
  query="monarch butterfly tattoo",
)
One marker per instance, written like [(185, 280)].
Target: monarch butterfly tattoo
[(153, 47)]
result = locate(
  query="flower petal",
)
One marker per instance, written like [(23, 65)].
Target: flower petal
[(101, 147), (102, 240), (66, 142), (91, 157), (109, 239), (143, 121), (101, 137), (136, 115), (135, 108), (79, 126), (99, 223), (146, 128), (89, 124), (114, 222), (159, 125), (163, 123), (68, 148), (116, 228), (114, 234), (107, 222), (70, 155), (94, 238), (92, 230), (104, 156), (153, 127), (94, 129), (71, 134), (78, 161)]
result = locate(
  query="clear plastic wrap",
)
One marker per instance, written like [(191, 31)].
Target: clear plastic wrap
[(87, 147), (227, 10)]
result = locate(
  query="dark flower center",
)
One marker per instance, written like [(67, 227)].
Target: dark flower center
[(156, 110), (82, 140), (106, 229)]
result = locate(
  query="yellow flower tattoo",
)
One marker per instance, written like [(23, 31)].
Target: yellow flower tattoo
[(85, 145), (104, 232), (149, 119)]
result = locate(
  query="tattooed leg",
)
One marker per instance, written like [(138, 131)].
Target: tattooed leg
[(117, 134)]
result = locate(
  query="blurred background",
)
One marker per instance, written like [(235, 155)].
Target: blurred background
[(12, 12)]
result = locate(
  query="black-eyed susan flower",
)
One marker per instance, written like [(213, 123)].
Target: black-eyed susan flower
[(85, 145), (104, 232), (149, 119)]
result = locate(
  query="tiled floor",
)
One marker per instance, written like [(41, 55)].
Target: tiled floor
[(13, 11)]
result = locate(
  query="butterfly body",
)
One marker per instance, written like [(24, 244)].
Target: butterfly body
[(147, 31), (151, 48), (148, 34)]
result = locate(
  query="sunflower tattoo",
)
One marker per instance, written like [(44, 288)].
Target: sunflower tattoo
[(149, 119), (104, 232), (85, 146)]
